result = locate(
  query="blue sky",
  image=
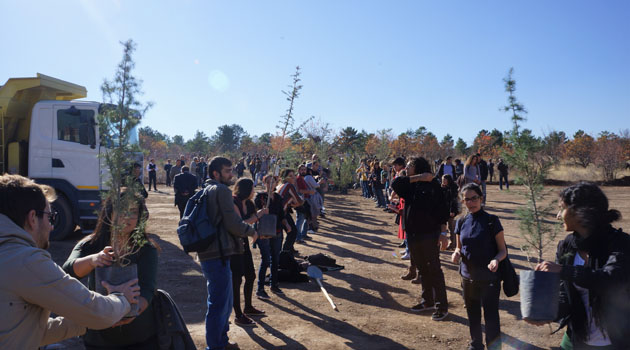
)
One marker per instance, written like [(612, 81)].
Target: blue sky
[(367, 64)]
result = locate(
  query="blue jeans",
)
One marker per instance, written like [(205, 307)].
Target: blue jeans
[(269, 253), (364, 189), (379, 197), (220, 299), (302, 226)]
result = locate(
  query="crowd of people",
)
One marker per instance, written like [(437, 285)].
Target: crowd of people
[(593, 261)]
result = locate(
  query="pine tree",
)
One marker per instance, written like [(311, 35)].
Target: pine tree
[(121, 113), (525, 155)]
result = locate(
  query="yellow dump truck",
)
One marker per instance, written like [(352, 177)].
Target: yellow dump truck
[(51, 137)]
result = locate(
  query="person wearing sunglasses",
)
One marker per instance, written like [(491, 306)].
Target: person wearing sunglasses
[(33, 286), (480, 248)]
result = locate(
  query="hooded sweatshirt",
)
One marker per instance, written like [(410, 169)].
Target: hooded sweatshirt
[(33, 286)]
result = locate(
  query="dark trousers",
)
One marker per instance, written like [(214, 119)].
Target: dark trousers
[(152, 179), (426, 256), (168, 179), (478, 294), (291, 235), (181, 201), (242, 265), (502, 178)]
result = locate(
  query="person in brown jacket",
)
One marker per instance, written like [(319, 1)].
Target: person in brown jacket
[(34, 286)]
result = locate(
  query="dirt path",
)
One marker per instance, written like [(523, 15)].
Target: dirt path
[(373, 301)]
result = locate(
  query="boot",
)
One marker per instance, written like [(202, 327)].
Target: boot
[(417, 280), (411, 274)]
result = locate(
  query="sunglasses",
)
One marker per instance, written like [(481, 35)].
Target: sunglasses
[(473, 199), (52, 215)]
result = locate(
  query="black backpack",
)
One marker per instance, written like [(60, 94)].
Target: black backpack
[(196, 231)]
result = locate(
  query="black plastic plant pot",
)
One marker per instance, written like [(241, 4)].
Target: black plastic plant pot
[(539, 295), (116, 275), (267, 225)]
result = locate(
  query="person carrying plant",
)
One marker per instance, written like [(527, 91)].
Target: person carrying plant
[(480, 248), (120, 242), (215, 260), (33, 286), (594, 266)]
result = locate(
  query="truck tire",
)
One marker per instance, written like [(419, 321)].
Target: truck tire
[(64, 225)]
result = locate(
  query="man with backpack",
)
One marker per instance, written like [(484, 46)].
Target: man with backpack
[(424, 221), (215, 262)]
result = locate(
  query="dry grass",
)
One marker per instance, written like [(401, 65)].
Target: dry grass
[(572, 173)]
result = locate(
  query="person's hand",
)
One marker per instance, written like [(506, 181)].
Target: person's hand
[(263, 211), (124, 321), (287, 226), (103, 258), (547, 266), (456, 256), (535, 323), (493, 265), (443, 242), (130, 289), (254, 237)]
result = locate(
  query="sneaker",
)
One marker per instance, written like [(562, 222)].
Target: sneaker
[(439, 315), (253, 312), (402, 245), (423, 307), (244, 321), (417, 280), (308, 238), (403, 252), (310, 232), (277, 290), (262, 295), (300, 241), (406, 257)]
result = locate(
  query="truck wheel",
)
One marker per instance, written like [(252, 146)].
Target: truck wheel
[(64, 225)]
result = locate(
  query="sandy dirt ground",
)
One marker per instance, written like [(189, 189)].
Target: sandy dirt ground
[(374, 303)]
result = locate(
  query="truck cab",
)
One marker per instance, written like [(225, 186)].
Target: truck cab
[(52, 138)]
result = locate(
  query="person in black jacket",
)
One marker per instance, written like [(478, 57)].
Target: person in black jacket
[(594, 266), (446, 168), (152, 170), (184, 185), (483, 176), (167, 170), (450, 190), (424, 217), (503, 174)]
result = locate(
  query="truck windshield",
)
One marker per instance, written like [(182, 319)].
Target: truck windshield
[(108, 132)]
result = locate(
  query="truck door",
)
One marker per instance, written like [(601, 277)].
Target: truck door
[(75, 146)]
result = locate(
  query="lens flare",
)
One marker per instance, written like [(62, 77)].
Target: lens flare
[(218, 81)]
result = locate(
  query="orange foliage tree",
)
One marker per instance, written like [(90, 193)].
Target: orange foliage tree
[(580, 149)]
